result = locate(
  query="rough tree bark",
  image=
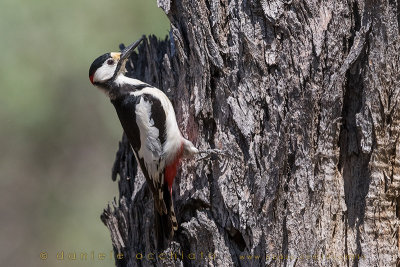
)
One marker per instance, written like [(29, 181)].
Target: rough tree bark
[(305, 95)]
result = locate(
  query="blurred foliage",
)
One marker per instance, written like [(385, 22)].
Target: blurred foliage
[(58, 133)]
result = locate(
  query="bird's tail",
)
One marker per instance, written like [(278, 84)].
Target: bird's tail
[(165, 222)]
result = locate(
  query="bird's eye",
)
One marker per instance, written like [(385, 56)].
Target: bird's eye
[(110, 62)]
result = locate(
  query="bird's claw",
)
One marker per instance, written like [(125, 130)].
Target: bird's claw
[(214, 151)]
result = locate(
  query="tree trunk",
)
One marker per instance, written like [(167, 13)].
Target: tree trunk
[(304, 96)]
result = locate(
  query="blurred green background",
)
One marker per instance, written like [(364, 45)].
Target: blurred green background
[(59, 134)]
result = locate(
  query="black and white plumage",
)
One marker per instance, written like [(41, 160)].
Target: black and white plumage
[(148, 119)]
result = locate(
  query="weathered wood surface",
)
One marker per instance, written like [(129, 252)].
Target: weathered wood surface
[(305, 95)]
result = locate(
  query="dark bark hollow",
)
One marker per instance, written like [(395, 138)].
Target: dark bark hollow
[(305, 95)]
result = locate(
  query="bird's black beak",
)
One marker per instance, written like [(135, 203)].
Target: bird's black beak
[(125, 54)]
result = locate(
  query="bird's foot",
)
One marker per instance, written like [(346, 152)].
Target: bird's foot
[(214, 151)]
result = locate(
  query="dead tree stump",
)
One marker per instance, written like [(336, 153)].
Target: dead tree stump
[(304, 95)]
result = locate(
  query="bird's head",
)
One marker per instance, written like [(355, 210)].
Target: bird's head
[(106, 68)]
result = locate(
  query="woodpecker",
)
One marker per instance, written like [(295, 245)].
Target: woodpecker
[(148, 119)]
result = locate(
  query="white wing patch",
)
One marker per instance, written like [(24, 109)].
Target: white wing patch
[(174, 137), (150, 149)]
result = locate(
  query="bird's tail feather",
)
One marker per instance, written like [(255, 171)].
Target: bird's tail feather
[(165, 223)]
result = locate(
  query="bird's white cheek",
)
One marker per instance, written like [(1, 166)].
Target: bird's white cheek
[(104, 73)]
